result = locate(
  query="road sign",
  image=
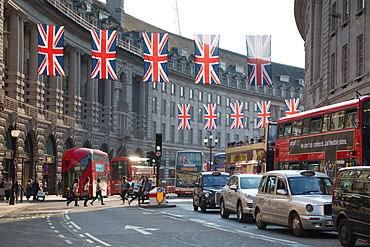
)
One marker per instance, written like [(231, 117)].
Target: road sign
[(160, 194)]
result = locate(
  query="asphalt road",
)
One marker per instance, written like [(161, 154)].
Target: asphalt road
[(52, 223)]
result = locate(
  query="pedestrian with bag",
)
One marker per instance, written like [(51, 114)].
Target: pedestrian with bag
[(99, 189), (7, 188), (145, 187), (124, 190), (86, 192), (74, 192)]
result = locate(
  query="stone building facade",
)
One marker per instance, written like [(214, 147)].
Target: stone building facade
[(120, 117), (336, 49)]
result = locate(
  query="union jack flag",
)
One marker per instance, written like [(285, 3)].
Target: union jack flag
[(206, 59), (50, 50), (210, 116), (263, 113), (184, 116), (237, 115), (259, 60), (292, 106), (155, 57), (103, 52)]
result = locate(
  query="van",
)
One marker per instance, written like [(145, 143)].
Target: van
[(351, 205)]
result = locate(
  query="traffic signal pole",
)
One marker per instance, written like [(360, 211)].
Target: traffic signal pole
[(158, 154)]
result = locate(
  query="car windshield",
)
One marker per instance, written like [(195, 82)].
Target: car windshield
[(249, 183), (310, 186), (214, 180)]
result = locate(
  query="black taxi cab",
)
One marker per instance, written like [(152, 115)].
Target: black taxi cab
[(207, 190)]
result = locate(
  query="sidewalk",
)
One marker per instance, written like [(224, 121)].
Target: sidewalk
[(6, 208)]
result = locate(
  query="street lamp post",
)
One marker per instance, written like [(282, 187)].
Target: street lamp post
[(14, 133), (208, 144)]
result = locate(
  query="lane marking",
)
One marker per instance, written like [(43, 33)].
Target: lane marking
[(97, 240), (75, 225), (68, 241)]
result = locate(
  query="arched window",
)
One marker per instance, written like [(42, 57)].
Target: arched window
[(49, 146)]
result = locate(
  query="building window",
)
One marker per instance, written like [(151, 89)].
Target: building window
[(345, 10), (154, 130), (334, 17), (345, 63), (200, 115), (172, 133), (332, 72), (163, 108), (200, 96), (227, 123), (200, 138), (181, 137), (154, 104), (164, 87), (164, 132), (209, 98), (246, 122), (360, 5), (154, 84), (360, 55), (173, 109), (190, 137), (173, 88), (191, 93), (227, 101), (182, 91), (218, 99), (218, 119), (246, 105)]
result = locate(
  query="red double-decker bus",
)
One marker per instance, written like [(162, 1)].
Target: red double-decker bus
[(131, 167), (325, 139), (85, 162)]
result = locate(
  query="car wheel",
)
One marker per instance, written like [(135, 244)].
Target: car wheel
[(345, 234), (203, 207), (239, 213), (260, 224), (297, 226), (224, 214)]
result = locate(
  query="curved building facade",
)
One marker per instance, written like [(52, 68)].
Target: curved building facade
[(120, 117)]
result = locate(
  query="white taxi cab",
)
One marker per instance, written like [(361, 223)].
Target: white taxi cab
[(301, 200)]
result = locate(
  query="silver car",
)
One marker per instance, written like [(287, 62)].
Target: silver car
[(301, 200), (237, 196)]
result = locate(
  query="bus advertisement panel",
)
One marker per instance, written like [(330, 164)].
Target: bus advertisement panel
[(188, 166), (325, 139), (82, 163), (253, 158)]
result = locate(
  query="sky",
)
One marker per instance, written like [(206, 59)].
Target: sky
[(231, 19)]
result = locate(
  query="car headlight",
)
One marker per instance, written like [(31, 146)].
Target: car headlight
[(249, 197), (207, 194), (309, 208)]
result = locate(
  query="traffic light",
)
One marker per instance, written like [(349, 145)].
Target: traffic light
[(152, 159), (158, 148)]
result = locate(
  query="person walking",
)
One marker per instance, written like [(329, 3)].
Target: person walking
[(7, 187), (99, 189), (35, 189), (2, 195), (45, 186), (59, 188), (74, 192), (86, 192), (29, 189), (124, 190), (145, 187), (17, 190)]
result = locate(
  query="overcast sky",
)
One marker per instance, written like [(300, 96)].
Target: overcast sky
[(232, 20)]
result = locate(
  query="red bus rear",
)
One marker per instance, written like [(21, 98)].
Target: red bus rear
[(325, 139), (85, 162), (121, 166)]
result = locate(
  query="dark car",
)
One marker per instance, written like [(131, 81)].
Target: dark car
[(207, 190), (351, 205)]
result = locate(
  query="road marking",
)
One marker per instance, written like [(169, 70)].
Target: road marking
[(140, 229), (61, 236), (69, 242), (96, 239), (175, 218), (67, 217), (75, 225)]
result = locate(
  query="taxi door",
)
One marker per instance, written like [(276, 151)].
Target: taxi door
[(280, 203), (265, 200)]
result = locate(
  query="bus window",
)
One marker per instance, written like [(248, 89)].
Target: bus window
[(326, 122), (297, 128), (337, 120), (316, 124), (350, 118), (366, 113), (306, 126), (287, 129), (281, 131)]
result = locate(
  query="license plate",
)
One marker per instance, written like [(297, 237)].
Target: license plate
[(329, 223)]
